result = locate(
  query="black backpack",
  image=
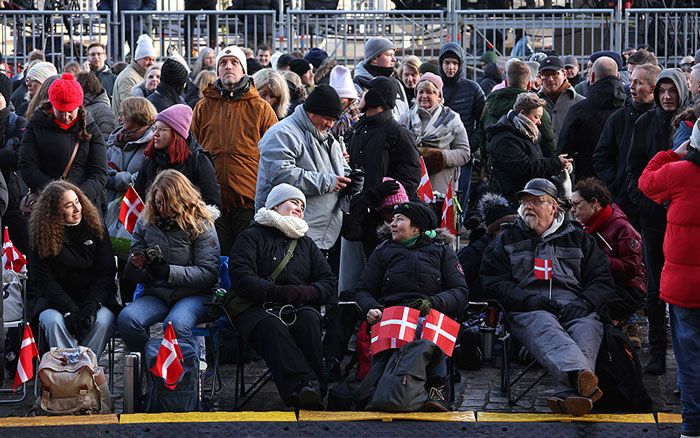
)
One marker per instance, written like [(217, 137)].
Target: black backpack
[(186, 397), (620, 374)]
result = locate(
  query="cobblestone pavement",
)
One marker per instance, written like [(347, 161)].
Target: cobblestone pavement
[(476, 390)]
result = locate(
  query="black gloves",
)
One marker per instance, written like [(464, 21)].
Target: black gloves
[(159, 271), (72, 321), (538, 302), (293, 294), (357, 182), (575, 309), (376, 194)]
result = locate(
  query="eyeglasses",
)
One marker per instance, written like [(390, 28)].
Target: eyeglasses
[(96, 54), (535, 202), (160, 129)]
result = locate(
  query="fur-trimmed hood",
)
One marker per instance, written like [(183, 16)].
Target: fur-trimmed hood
[(214, 210), (443, 236)]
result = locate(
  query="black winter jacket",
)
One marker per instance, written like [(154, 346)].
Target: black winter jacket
[(491, 78), (470, 258), (383, 148), (514, 159), (653, 133), (164, 97), (84, 270), (107, 78), (610, 156), (46, 150), (584, 123), (580, 267), (257, 253), (462, 95), (199, 168), (9, 155), (396, 275)]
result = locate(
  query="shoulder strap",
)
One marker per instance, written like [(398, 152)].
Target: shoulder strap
[(287, 257), (70, 162)]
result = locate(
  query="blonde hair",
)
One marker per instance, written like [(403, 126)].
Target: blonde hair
[(278, 87), (428, 84), (46, 223), (183, 200), (410, 63), (204, 79), (139, 110)]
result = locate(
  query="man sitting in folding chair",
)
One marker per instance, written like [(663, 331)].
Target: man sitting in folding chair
[(552, 277)]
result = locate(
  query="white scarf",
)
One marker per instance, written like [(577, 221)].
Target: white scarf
[(291, 226)]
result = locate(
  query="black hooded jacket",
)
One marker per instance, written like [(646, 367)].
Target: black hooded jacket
[(491, 78), (164, 97), (462, 95), (653, 132), (584, 123)]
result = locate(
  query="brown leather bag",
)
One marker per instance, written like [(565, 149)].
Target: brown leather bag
[(26, 204)]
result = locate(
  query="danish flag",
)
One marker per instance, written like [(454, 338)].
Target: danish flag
[(169, 359), (448, 211), (131, 209), (543, 269), (379, 344), (425, 189), (11, 257), (399, 322), (441, 330), (27, 353)]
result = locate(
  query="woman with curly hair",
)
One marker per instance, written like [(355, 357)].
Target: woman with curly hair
[(72, 269), (62, 142), (175, 254)]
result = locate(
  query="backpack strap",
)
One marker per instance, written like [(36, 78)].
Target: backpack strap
[(287, 257)]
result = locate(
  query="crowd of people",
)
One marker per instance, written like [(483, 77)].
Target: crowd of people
[(305, 173)]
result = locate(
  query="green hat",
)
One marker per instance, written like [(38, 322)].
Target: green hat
[(489, 57)]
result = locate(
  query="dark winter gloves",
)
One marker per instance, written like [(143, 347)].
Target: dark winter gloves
[(80, 321), (357, 182), (72, 322), (578, 308), (159, 271), (538, 302), (422, 304), (376, 194), (434, 159), (293, 294)]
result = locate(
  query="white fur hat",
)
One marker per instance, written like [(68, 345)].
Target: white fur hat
[(341, 81)]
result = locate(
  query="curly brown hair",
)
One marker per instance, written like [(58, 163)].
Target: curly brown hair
[(46, 226)]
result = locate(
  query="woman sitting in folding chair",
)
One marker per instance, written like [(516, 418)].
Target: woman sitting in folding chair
[(72, 269), (279, 280), (416, 267), (175, 254)]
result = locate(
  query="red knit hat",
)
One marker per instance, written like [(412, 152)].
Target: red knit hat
[(66, 94)]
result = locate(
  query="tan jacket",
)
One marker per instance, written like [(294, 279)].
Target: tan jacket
[(230, 130), (130, 76)]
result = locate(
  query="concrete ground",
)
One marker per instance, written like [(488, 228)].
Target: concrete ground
[(476, 391)]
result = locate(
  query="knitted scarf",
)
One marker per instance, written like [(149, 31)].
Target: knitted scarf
[(526, 127), (290, 226)]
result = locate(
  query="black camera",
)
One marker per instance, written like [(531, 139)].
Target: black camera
[(153, 255)]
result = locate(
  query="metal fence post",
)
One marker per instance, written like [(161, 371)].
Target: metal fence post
[(618, 27)]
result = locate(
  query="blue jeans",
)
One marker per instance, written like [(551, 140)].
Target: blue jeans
[(96, 338), (136, 318), (685, 334)]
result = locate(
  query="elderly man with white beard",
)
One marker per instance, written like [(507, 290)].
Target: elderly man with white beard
[(552, 279)]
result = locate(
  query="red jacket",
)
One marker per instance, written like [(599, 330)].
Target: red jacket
[(667, 179), (623, 245)]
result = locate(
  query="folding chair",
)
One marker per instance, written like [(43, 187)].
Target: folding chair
[(19, 324), (241, 395)]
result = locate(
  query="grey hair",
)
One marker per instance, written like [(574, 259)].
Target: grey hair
[(527, 102)]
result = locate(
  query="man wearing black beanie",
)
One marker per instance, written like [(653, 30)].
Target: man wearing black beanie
[(300, 151), (173, 77), (302, 67)]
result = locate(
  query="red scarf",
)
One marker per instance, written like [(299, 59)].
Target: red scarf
[(64, 126), (599, 219)]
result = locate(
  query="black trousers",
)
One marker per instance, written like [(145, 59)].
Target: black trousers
[(293, 353), (230, 224), (652, 244), (341, 322)]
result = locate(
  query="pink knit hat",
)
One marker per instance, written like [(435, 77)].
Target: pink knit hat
[(433, 78), (397, 198), (178, 117)]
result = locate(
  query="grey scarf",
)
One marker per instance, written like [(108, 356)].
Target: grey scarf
[(527, 127)]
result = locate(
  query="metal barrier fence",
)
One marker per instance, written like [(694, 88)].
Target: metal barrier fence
[(577, 32), (670, 33), (343, 34), (63, 35)]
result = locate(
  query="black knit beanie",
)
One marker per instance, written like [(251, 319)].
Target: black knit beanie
[(381, 91), (173, 73), (300, 66), (421, 215), (324, 101)]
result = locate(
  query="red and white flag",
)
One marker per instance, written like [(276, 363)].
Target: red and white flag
[(441, 330), (169, 360), (27, 353), (11, 257), (543, 269), (379, 344), (425, 189), (131, 209), (448, 211), (399, 322)]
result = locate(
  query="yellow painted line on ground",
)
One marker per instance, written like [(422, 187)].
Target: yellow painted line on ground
[(664, 417), (462, 416), (591, 418), (209, 417), (66, 420)]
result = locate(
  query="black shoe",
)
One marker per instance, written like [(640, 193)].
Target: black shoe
[(331, 369), (310, 398), (656, 366), (436, 400)]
